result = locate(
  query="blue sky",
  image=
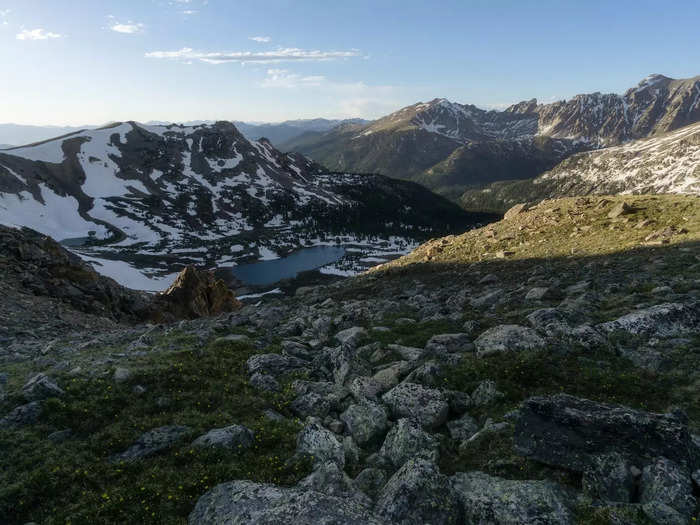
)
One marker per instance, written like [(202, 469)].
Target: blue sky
[(86, 62)]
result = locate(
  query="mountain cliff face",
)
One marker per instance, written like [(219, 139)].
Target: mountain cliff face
[(205, 193), (449, 146), (668, 163)]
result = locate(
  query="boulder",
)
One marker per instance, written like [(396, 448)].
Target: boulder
[(507, 338), (488, 499), (663, 320), (418, 494), (195, 293), (332, 481), (41, 387), (22, 415), (390, 375), (462, 428), (566, 431), (242, 502), (264, 382), (621, 208), (407, 440), (485, 394), (428, 406), (449, 343), (407, 353), (274, 364), (366, 422), (234, 437), (321, 445), (351, 336), (366, 388), (516, 210), (610, 478), (370, 481), (667, 492), (152, 442), (428, 374), (311, 404)]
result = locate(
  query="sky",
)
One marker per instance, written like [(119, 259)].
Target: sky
[(76, 62)]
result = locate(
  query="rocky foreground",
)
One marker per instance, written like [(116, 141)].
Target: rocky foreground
[(485, 378)]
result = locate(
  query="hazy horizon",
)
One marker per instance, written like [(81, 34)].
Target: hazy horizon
[(76, 64)]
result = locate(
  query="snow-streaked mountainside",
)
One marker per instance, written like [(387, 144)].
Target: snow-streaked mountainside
[(203, 194), (426, 141), (668, 163)]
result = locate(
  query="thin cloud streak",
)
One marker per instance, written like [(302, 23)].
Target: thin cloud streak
[(36, 34), (260, 38), (280, 55)]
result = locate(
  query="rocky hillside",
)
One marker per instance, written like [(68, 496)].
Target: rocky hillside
[(448, 146), (667, 163), (282, 132), (543, 369), (205, 193)]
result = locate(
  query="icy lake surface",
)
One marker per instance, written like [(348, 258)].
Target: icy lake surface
[(268, 272)]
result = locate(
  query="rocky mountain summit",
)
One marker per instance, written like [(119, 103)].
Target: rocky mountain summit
[(542, 369), (449, 146)]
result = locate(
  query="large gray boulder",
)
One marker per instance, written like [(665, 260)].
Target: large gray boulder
[(22, 415), (152, 442), (351, 336), (667, 493), (234, 437), (367, 422), (321, 445), (426, 405), (507, 338), (245, 502), (41, 387), (407, 440), (662, 320), (442, 343), (274, 364), (462, 428), (569, 432), (610, 478), (491, 500), (418, 494)]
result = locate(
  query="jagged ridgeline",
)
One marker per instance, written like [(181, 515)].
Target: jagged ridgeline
[(157, 190), (450, 147)]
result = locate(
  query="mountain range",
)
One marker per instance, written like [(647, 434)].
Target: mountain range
[(204, 194), (12, 135), (450, 147)]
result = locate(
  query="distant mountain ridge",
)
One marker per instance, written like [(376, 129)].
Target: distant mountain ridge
[(449, 146), (668, 163), (151, 192)]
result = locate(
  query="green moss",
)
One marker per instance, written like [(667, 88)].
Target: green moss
[(73, 482)]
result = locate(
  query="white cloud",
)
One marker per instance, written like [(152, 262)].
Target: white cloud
[(188, 12), (283, 78), (4, 13), (128, 28), (280, 55), (260, 38), (36, 34)]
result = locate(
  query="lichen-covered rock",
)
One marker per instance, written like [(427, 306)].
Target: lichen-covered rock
[(609, 478), (264, 382), (427, 374), (418, 494), (152, 442), (234, 437), (407, 440), (449, 343), (667, 492), (485, 394), (366, 422), (663, 320), (566, 431), (389, 376), (507, 338), (488, 499), (274, 364), (245, 502), (351, 336), (344, 363), (329, 479), (311, 404), (462, 428), (370, 481), (321, 444), (41, 387), (22, 415), (408, 353), (366, 388), (426, 405)]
